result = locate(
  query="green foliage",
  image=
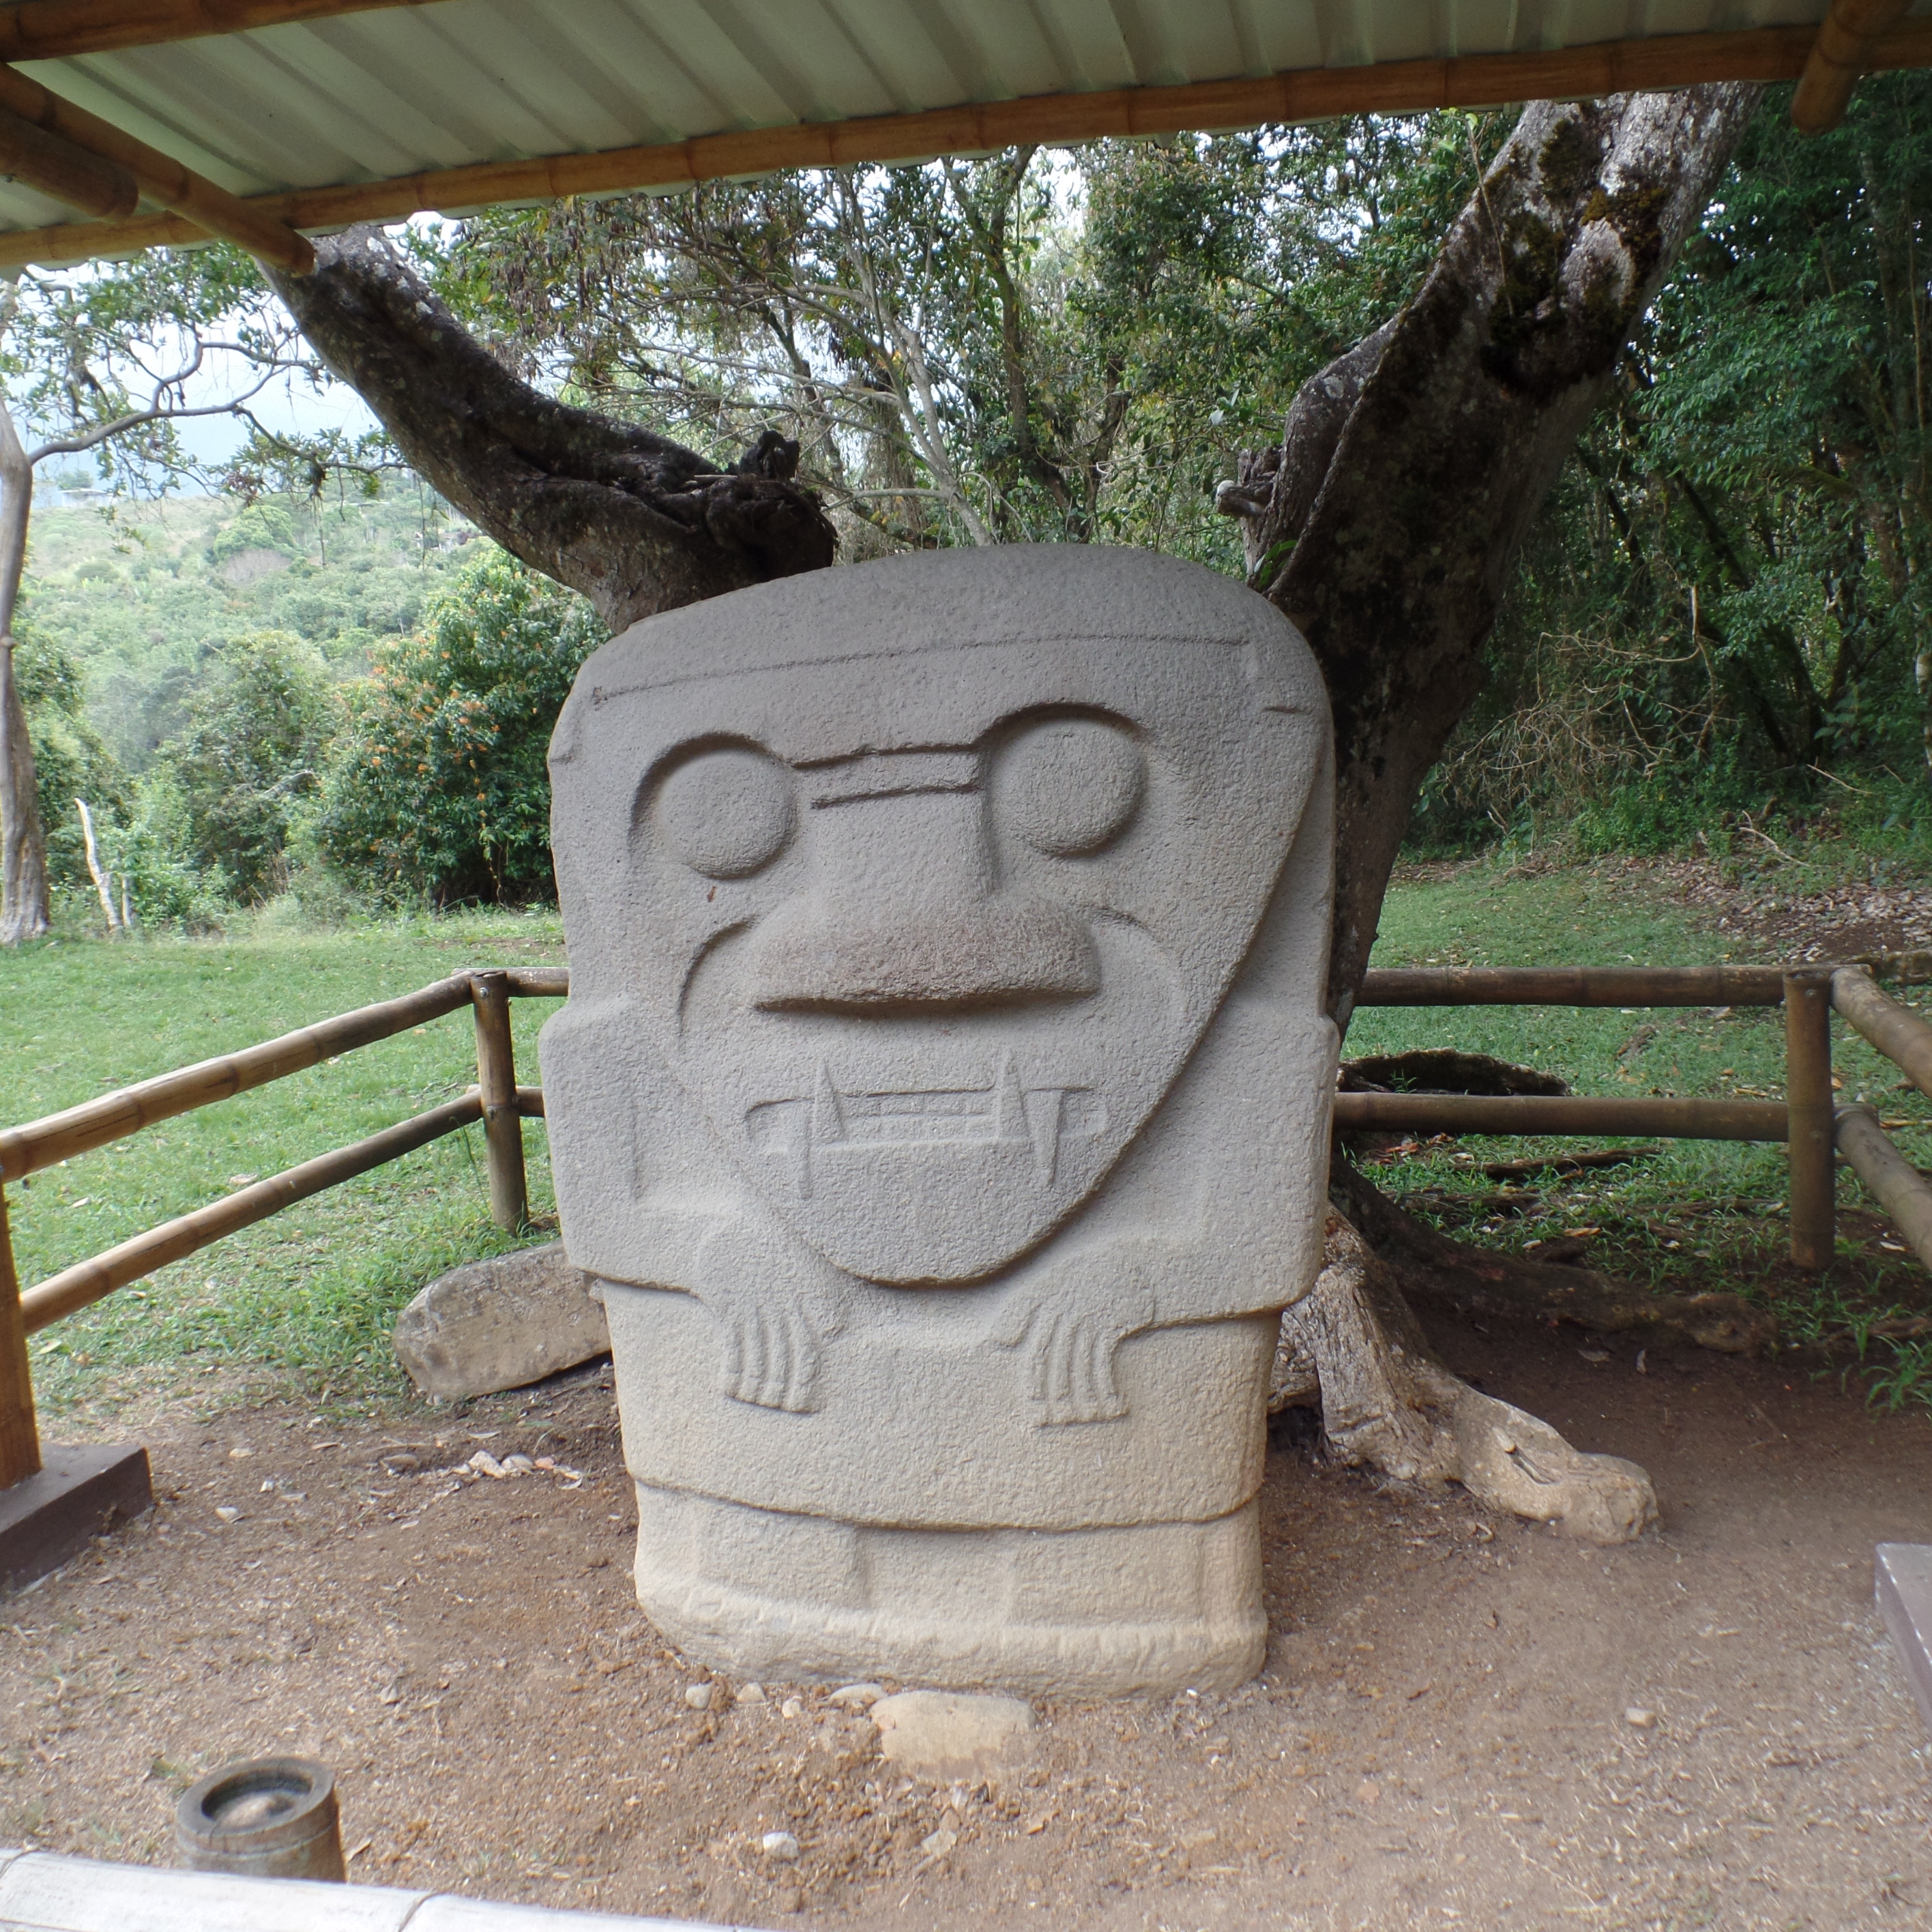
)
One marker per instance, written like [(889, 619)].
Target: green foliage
[(250, 750), (305, 1301), (1042, 346), (71, 759), (1722, 608), (440, 786)]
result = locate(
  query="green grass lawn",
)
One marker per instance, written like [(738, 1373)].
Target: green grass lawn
[(306, 1296), (1698, 1214), (303, 1300)]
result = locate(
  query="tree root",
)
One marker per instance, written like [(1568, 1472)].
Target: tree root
[(1433, 1269), (1388, 1403)]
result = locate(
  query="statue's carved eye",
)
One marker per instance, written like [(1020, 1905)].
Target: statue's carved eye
[(726, 813), (1071, 785)]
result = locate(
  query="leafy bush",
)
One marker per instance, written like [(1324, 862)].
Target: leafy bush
[(440, 787), (71, 759), (251, 748)]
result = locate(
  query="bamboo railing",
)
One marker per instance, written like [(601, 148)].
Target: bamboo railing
[(496, 1100), (1813, 1128)]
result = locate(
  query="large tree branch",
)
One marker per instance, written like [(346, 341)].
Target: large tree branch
[(1387, 523), (635, 522)]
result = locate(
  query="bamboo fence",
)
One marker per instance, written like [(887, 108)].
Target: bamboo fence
[(1815, 1130)]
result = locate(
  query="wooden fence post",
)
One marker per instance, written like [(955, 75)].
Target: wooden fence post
[(19, 1437), (496, 1074), (1808, 1099)]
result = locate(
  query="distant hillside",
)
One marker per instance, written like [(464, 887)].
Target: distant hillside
[(137, 592)]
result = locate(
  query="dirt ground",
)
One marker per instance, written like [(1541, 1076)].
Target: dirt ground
[(1463, 1722)]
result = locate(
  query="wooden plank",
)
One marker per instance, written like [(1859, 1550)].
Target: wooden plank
[(38, 1144), (158, 176), (1572, 986), (1309, 94), (101, 1274), (1687, 1119)]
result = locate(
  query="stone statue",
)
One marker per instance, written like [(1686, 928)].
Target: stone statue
[(942, 1101)]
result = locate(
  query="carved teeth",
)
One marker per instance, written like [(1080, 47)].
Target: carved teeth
[(1038, 1122), (1010, 1120), (828, 1117)]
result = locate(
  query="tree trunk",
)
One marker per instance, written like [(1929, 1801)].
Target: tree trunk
[(1386, 521), (23, 845), (638, 523)]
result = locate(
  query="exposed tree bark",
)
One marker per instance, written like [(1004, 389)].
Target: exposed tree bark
[(23, 847), (638, 523), (1386, 522), (1389, 1404)]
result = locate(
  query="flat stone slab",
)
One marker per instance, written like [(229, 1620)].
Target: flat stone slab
[(500, 1323), (78, 1493), (1904, 1588), (946, 1730)]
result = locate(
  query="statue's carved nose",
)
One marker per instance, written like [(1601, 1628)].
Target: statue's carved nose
[(903, 916)]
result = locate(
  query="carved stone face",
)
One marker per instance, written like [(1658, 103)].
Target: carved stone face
[(926, 910)]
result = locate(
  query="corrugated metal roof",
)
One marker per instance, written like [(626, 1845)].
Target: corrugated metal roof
[(367, 96)]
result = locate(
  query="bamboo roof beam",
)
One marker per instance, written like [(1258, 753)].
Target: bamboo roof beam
[(54, 167), (59, 29), (158, 176), (1306, 94), (1847, 42)]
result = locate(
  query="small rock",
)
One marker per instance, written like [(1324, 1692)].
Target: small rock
[(485, 1464), (857, 1696), (750, 1693), (500, 1323), (792, 1707), (698, 1696), (518, 1466), (227, 1514), (1367, 1792), (939, 1843), (931, 1730), (778, 1845), (1637, 1715)]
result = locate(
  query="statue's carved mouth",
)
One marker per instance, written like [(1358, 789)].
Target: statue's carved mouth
[(829, 1129)]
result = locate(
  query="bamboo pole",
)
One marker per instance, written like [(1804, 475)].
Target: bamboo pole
[(1807, 1099), (1847, 41), (536, 982), (1660, 61), (76, 1287), (26, 1149), (1572, 986), (1899, 1034), (19, 1435), (159, 177), (496, 1078), (1692, 1119), (66, 172), (1898, 1187), (59, 29)]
